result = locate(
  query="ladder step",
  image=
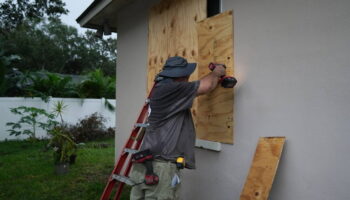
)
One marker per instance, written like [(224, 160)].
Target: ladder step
[(123, 179), (139, 136), (130, 151), (142, 125)]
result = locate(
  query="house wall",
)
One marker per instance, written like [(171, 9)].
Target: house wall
[(292, 63)]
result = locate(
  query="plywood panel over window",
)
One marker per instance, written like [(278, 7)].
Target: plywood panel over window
[(173, 31), (214, 112), (157, 41)]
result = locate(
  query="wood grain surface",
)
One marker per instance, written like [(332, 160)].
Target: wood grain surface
[(263, 168), (214, 111), (157, 41), (172, 32), (180, 28)]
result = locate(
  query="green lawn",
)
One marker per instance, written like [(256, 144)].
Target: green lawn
[(27, 172)]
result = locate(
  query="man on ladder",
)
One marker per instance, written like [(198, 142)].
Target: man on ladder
[(170, 136)]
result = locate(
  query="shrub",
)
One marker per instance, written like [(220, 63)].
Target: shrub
[(63, 145), (90, 128), (97, 86), (50, 85), (32, 117)]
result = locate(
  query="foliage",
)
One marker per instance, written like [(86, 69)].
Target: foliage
[(59, 107), (14, 13), (61, 140), (97, 86), (90, 128), (5, 61), (63, 145), (15, 83), (55, 47), (34, 118), (103, 52), (48, 85)]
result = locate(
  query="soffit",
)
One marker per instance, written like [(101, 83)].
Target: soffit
[(101, 11)]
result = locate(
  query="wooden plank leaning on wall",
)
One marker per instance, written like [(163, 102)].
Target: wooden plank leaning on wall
[(263, 169)]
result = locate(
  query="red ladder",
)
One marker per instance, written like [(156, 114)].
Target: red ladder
[(120, 173)]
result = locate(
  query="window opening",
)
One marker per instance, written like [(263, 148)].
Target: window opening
[(213, 7)]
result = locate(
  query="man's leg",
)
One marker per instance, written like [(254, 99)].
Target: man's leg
[(164, 189), (138, 176)]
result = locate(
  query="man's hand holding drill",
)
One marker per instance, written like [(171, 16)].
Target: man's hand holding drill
[(219, 70)]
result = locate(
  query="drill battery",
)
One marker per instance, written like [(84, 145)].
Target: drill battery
[(145, 157)]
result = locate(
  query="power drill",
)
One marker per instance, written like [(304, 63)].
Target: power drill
[(146, 158), (225, 81)]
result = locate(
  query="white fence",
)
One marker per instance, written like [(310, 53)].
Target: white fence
[(76, 109)]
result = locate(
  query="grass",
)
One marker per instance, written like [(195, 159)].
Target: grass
[(27, 172)]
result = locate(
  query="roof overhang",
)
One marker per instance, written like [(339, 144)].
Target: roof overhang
[(101, 12)]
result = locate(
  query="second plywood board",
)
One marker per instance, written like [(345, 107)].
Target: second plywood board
[(263, 169), (214, 112)]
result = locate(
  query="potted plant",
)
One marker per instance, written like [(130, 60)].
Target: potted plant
[(64, 149)]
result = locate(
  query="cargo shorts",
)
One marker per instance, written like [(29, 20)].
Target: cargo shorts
[(164, 190)]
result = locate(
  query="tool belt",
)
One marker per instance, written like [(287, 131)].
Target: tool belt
[(145, 157), (179, 162)]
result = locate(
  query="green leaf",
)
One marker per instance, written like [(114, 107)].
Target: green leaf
[(27, 132)]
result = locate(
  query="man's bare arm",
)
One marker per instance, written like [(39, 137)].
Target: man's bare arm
[(210, 81)]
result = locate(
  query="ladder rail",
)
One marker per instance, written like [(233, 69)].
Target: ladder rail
[(124, 155), (120, 163), (127, 171)]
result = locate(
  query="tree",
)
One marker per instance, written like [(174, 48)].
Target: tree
[(14, 13), (5, 61), (55, 47)]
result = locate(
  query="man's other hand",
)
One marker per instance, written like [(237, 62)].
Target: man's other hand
[(220, 70), (210, 81)]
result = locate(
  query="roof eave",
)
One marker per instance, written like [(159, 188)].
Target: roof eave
[(100, 12), (87, 18)]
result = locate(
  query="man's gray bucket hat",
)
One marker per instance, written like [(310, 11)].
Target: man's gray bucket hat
[(176, 67)]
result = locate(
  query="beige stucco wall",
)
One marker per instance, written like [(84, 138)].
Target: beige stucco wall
[(292, 62)]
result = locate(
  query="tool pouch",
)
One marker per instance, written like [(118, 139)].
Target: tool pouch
[(145, 157), (142, 156)]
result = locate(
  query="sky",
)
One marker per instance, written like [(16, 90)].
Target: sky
[(75, 7)]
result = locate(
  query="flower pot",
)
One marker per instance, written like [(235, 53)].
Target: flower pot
[(61, 168), (72, 159)]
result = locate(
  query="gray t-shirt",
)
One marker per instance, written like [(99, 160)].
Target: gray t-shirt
[(171, 132)]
